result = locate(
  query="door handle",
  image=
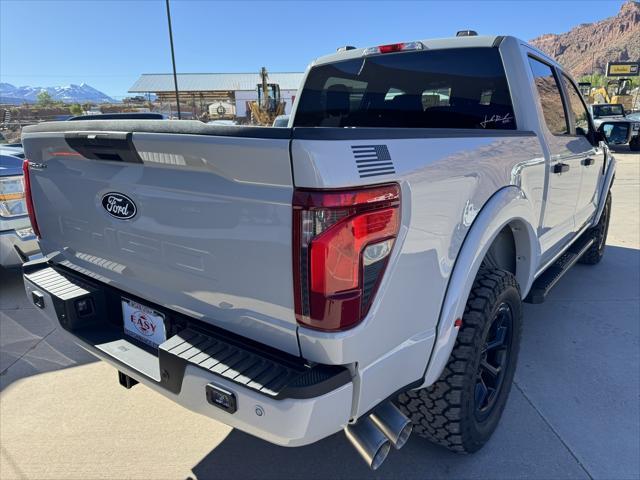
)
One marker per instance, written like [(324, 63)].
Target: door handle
[(588, 161), (560, 168)]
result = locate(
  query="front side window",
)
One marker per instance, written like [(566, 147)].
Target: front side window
[(449, 88), (578, 109), (550, 97)]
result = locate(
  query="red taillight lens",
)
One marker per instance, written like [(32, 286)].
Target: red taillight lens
[(28, 199), (394, 47), (342, 241)]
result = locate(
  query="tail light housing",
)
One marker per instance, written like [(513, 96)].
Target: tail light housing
[(28, 198), (394, 47), (342, 240)]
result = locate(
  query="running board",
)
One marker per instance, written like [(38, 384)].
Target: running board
[(545, 282)]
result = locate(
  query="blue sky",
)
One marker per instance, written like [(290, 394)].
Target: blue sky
[(107, 44)]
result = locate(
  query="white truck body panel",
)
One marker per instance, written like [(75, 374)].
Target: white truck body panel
[(213, 240), (212, 230)]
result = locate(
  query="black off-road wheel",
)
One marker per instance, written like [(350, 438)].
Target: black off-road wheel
[(462, 409), (599, 234)]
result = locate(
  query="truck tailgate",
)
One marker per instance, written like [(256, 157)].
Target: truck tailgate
[(200, 224)]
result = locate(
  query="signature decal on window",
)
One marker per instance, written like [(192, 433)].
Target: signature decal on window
[(496, 119)]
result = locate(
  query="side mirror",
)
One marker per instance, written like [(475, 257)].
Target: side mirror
[(598, 137), (615, 133)]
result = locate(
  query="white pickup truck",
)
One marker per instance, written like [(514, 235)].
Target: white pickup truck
[(362, 269)]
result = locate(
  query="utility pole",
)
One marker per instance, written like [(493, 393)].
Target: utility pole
[(173, 60)]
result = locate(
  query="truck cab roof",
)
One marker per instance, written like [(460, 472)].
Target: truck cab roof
[(474, 41)]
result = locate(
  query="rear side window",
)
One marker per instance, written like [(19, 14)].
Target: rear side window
[(580, 114), (453, 88), (550, 98)]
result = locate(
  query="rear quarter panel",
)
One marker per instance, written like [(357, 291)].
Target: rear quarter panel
[(445, 180)]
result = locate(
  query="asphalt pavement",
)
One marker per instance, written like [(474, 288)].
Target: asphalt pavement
[(574, 411)]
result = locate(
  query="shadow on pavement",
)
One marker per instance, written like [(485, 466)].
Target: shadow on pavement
[(580, 362), (244, 457), (30, 343)]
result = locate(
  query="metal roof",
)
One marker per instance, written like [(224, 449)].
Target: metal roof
[(207, 82)]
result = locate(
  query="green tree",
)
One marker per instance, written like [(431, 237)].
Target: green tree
[(76, 109), (44, 99)]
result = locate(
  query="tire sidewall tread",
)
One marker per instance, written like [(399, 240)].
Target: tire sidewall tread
[(444, 412)]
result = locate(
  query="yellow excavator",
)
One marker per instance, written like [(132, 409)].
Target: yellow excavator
[(269, 104), (616, 91), (620, 92)]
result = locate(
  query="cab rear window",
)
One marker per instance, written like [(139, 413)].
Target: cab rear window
[(452, 88)]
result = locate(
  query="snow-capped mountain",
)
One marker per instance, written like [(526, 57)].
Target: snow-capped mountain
[(68, 94)]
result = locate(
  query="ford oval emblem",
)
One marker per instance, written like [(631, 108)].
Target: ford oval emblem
[(119, 205)]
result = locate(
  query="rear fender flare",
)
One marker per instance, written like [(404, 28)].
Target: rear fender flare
[(509, 206)]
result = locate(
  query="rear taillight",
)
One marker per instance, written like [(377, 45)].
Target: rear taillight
[(27, 194), (342, 241)]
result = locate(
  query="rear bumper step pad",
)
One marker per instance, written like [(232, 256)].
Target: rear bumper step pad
[(248, 368)]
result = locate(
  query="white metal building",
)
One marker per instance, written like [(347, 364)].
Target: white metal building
[(210, 91)]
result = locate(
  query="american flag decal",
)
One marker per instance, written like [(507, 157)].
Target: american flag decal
[(372, 160)]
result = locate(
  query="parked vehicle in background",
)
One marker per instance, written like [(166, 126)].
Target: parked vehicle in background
[(281, 121), (620, 128), (362, 270), (17, 240), (13, 149), (635, 116), (602, 111)]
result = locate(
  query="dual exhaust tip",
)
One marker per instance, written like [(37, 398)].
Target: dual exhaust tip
[(374, 434)]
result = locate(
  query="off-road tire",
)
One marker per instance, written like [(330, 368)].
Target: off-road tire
[(445, 412), (599, 235), (634, 144)]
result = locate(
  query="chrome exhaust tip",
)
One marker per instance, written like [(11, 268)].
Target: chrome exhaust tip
[(393, 423), (369, 441)]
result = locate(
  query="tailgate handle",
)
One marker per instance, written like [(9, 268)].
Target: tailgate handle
[(111, 146)]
